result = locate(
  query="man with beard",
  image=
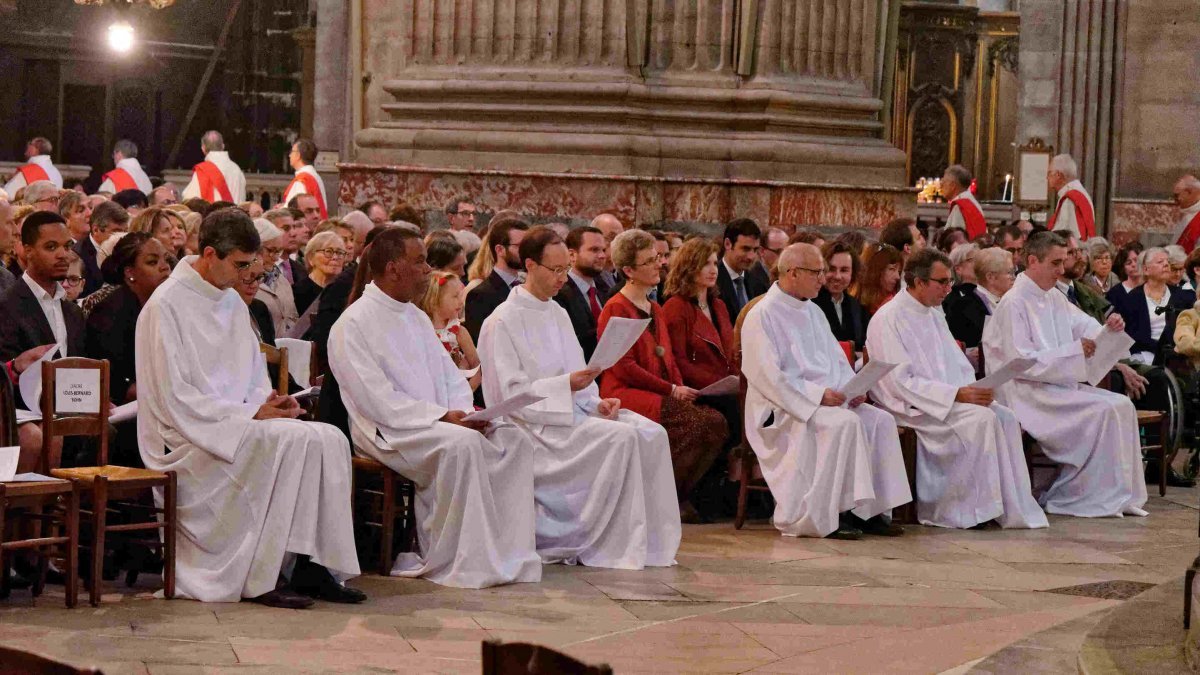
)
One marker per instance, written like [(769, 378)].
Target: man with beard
[(505, 236), (584, 294)]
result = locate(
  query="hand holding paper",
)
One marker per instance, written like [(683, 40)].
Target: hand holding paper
[(505, 407), (1111, 346), (726, 386), (619, 335)]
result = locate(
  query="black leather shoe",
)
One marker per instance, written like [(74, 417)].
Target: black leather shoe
[(315, 581), (881, 527), (846, 533), (284, 598), (1174, 479)]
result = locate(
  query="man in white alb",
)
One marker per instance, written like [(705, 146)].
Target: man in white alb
[(834, 471), (406, 402), (128, 173), (218, 178), (602, 476), (307, 180), (1074, 211), (971, 465), (258, 489), (1091, 432), (40, 167), (1187, 198)]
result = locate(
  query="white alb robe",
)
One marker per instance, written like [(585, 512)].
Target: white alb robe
[(475, 508), (970, 463), (18, 180), (1091, 432), (298, 188), (1065, 219), (235, 180), (250, 491), (818, 460), (135, 171), (605, 488)]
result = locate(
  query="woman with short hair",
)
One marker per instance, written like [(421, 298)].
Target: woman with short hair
[(1100, 274), (325, 256)]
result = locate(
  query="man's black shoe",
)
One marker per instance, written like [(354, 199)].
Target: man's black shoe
[(846, 533), (284, 598), (882, 527), (1175, 479), (315, 581)]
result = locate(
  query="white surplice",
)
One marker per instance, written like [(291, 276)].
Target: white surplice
[(475, 508), (235, 180), (135, 171), (970, 463), (1065, 219), (818, 460), (1091, 432), (605, 488), (18, 180), (250, 491)]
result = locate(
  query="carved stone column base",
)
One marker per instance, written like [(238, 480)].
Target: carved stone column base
[(697, 204)]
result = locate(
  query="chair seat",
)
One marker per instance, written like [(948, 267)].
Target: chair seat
[(88, 474), (367, 464), (1149, 416), (36, 488)]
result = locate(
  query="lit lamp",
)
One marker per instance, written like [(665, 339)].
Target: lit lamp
[(121, 37)]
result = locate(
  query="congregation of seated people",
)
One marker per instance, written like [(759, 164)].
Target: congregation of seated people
[(752, 338)]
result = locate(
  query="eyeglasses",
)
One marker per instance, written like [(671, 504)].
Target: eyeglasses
[(657, 259), (817, 272), (256, 279), (274, 251), (556, 271), (941, 282), (72, 281), (334, 253)]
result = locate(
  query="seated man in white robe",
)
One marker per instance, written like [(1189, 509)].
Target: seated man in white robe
[(602, 476), (258, 489), (971, 465), (1091, 432), (406, 402), (834, 471)]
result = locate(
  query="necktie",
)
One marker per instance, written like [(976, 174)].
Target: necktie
[(1072, 296), (286, 266), (594, 303), (739, 290)]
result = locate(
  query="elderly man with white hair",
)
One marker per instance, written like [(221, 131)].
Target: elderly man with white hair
[(217, 178), (40, 167), (1187, 198), (42, 195), (1074, 211), (965, 210)]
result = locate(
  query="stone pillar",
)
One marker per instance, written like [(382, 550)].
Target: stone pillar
[(332, 85), (643, 91), (306, 38)]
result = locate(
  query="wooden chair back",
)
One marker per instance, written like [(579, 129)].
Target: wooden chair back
[(17, 662), (520, 658), (73, 424), (277, 356), (8, 413)]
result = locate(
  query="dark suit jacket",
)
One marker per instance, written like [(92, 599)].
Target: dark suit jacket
[(1136, 313), (576, 303), (853, 325), (965, 314), (24, 326), (482, 301), (92, 279), (330, 306), (756, 285), (110, 333)]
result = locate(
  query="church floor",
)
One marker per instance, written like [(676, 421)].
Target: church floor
[(749, 601)]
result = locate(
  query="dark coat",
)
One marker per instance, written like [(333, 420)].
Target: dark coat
[(853, 325), (965, 314), (756, 285), (25, 326), (703, 350), (482, 301), (110, 335), (1136, 313), (582, 320), (92, 278)]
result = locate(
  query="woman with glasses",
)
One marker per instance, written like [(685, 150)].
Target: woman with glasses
[(966, 312), (73, 284), (1100, 274), (647, 379), (324, 257), (248, 283)]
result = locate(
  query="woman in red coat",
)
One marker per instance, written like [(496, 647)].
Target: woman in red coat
[(647, 380)]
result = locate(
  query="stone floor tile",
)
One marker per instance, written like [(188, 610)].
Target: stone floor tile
[(886, 597), (634, 590), (1025, 551), (906, 617)]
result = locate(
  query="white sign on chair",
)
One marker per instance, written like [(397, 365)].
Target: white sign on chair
[(77, 390)]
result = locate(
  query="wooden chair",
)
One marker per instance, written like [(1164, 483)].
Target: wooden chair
[(277, 356), (1159, 421), (385, 496), (906, 514), (743, 463), (521, 658), (105, 484), (17, 662), (24, 505)]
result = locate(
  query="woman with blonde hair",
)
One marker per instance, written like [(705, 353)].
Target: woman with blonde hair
[(483, 264), (163, 224), (443, 302)]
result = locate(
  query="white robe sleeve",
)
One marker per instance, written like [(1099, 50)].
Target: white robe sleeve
[(16, 183), (762, 365), (362, 378), (1009, 334), (501, 364), (213, 424), (955, 218), (903, 384), (107, 186), (192, 190)]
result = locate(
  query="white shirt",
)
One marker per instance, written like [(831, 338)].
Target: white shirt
[(732, 275), (18, 180), (837, 305), (235, 180), (583, 283), (52, 307), (1158, 322), (508, 277)]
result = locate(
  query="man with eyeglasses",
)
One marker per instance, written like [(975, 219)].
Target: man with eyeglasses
[(504, 235), (460, 212), (774, 240), (257, 488), (833, 463), (107, 219), (971, 464), (42, 195), (603, 478)]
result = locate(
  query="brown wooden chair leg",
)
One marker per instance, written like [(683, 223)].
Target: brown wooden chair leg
[(4, 560), (71, 522), (743, 492), (387, 530), (38, 530), (99, 516), (170, 526)]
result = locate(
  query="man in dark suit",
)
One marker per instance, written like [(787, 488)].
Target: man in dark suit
[(107, 219), (584, 294), (504, 236), (38, 317), (845, 314), (735, 280)]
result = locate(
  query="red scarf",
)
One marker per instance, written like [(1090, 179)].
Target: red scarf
[(1083, 214), (1191, 233), (311, 187), (121, 180), (212, 182), (972, 215), (33, 172)]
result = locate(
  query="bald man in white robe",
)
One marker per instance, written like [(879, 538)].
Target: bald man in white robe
[(822, 456)]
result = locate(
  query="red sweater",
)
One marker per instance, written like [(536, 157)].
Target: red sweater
[(703, 351), (642, 377)]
